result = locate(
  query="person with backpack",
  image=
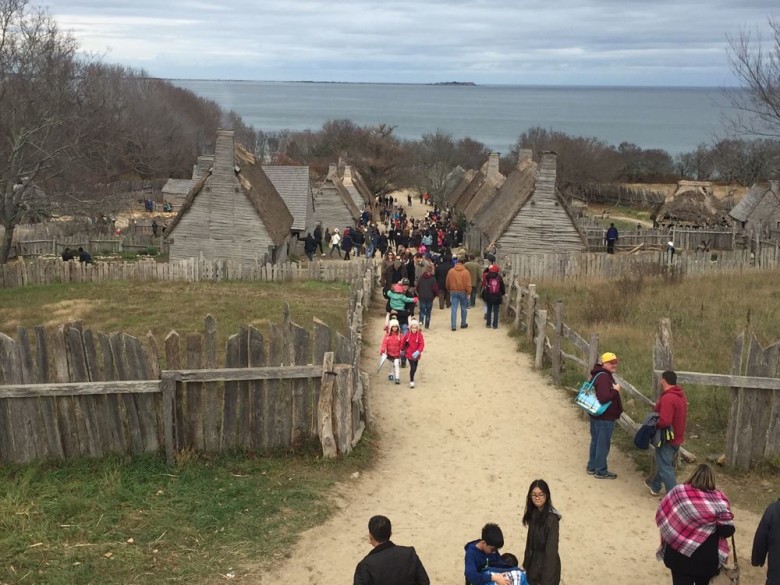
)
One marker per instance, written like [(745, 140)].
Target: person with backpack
[(493, 294), (672, 409)]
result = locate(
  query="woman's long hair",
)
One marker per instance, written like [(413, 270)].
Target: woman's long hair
[(530, 507), (702, 478)]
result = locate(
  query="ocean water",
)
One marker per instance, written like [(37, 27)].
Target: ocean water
[(674, 119)]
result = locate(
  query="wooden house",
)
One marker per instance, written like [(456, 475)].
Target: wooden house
[(334, 206), (233, 212), (758, 214), (294, 187), (477, 188), (691, 205), (527, 214)]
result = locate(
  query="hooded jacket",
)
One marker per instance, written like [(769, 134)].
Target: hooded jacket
[(541, 560), (427, 287), (476, 562), (605, 393), (766, 542), (672, 409)]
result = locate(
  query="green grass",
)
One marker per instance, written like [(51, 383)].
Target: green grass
[(72, 522), (706, 313), (138, 307)]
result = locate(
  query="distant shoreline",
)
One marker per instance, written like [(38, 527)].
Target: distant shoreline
[(447, 83)]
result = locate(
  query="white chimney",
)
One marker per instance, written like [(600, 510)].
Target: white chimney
[(333, 170), (524, 154)]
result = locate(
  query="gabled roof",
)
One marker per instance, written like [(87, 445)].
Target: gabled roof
[(744, 209), (292, 184), (494, 218), (255, 186), (481, 188), (460, 187), (693, 202)]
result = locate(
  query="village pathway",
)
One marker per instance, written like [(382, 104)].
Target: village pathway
[(461, 449)]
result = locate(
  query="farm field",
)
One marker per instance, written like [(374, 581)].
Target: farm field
[(138, 520), (707, 314)]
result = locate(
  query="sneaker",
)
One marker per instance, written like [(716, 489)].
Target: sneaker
[(607, 475), (454, 329), (411, 384), (464, 326), (403, 364), (653, 493), (398, 380), (390, 377), (590, 471)]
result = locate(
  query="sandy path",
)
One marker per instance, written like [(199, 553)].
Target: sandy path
[(461, 449)]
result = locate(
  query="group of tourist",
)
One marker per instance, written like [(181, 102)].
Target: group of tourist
[(694, 518)]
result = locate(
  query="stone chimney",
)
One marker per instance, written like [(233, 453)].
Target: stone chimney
[(201, 168), (550, 158), (333, 170), (492, 169), (524, 155), (347, 178)]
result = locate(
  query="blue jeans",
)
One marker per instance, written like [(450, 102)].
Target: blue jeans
[(600, 438), (425, 312), (492, 313), (458, 298), (664, 465)]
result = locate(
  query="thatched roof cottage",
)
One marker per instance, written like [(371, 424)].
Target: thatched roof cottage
[(692, 204), (528, 214), (334, 205), (759, 211), (294, 187), (477, 188), (233, 212)]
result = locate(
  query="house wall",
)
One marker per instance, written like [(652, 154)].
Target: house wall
[(765, 218), (222, 224), (542, 224), (330, 210)]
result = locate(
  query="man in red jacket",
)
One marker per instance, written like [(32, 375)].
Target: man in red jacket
[(672, 409)]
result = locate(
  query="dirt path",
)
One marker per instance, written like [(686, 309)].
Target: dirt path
[(461, 449)]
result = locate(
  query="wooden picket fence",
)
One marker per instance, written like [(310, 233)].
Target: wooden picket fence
[(753, 433), (576, 266), (73, 392), (50, 271)]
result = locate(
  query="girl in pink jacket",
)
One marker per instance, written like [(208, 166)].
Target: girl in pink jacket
[(392, 347), (413, 345)]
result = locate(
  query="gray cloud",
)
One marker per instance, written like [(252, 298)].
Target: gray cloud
[(504, 41)]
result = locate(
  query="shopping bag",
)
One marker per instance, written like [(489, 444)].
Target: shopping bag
[(586, 398)]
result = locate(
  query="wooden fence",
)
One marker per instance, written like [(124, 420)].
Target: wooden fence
[(575, 266), (72, 392), (753, 433), (50, 271), (657, 238)]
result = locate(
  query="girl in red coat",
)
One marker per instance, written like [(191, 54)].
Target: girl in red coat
[(413, 345), (391, 345)]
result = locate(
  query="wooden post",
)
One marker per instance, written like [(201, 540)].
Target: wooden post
[(541, 337), (556, 343), (325, 408), (662, 353), (593, 352), (530, 313), (732, 431), (518, 304), (168, 385)]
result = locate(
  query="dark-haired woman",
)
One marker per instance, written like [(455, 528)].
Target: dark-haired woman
[(695, 519), (541, 561)]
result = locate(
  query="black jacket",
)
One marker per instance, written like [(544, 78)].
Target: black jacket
[(767, 542), (704, 561), (389, 564), (541, 561), (441, 274)]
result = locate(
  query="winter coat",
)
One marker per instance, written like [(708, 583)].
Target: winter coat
[(391, 345), (427, 288), (605, 393), (413, 342), (459, 279), (541, 561)]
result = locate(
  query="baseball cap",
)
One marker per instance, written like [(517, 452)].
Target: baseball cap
[(608, 357)]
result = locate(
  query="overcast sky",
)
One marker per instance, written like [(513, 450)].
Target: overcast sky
[(564, 42)]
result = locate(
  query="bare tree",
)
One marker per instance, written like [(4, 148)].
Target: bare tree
[(42, 103), (757, 67)]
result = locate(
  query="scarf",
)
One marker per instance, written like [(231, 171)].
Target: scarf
[(688, 516)]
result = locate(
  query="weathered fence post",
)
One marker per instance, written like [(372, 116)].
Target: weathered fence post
[(530, 314), (556, 343), (518, 303), (325, 408), (168, 385), (541, 338), (662, 353)]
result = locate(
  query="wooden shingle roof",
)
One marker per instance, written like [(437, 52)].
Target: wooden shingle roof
[(292, 184)]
